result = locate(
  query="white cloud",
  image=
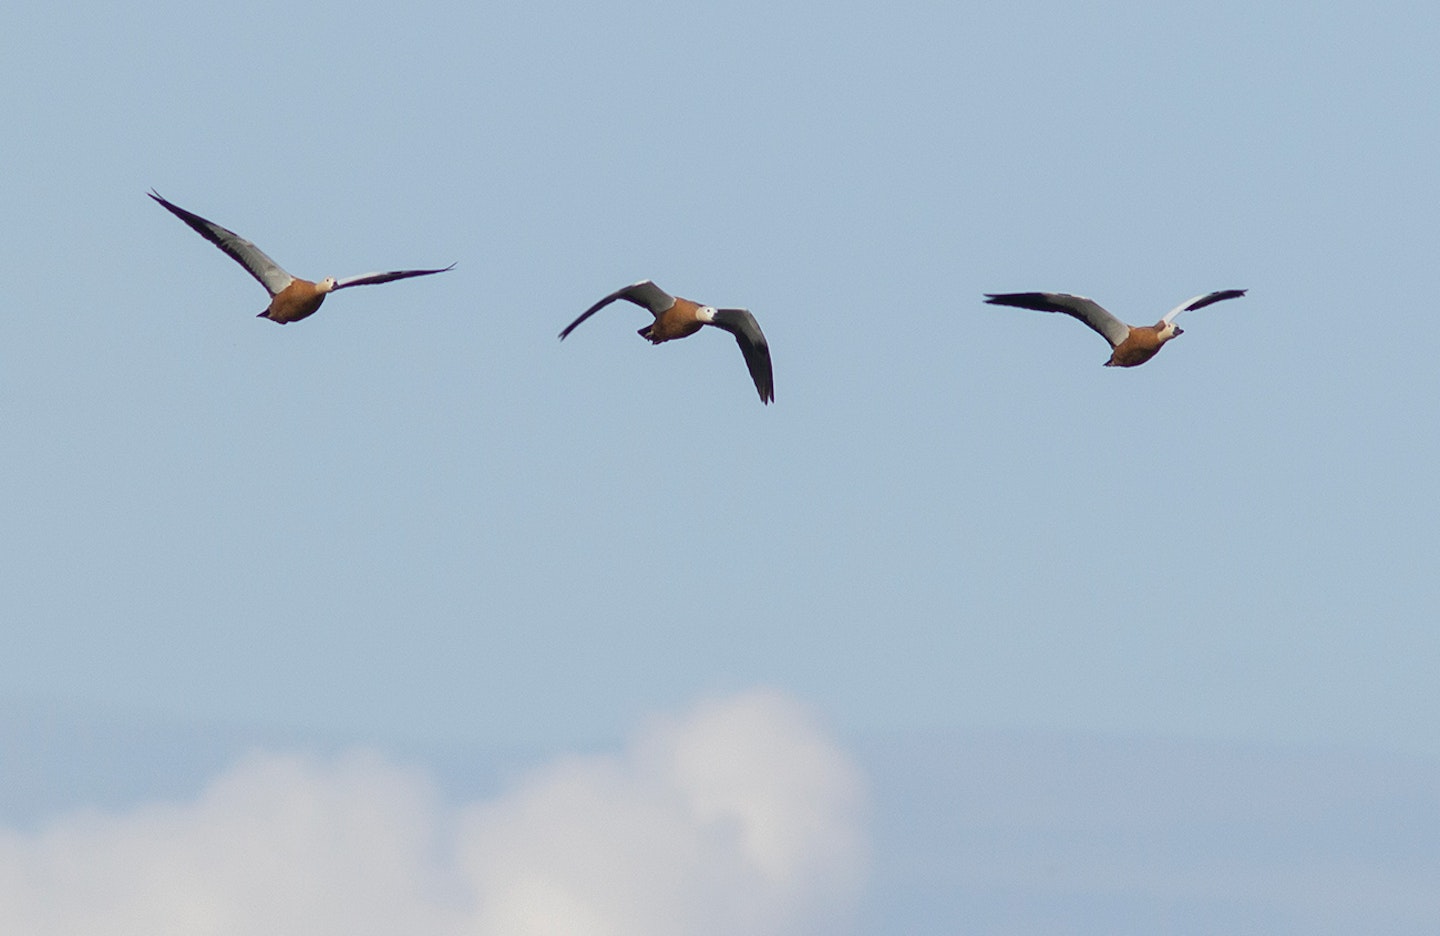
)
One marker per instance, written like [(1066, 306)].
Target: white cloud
[(739, 817)]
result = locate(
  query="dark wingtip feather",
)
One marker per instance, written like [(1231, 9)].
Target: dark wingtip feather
[(1212, 298), (1038, 302)]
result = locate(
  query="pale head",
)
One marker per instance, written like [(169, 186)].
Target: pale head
[(705, 314), (1167, 330), (327, 284)]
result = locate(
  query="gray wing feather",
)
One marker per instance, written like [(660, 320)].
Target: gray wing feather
[(270, 274), (644, 293), (369, 279), (1086, 310), (741, 324), (1200, 302)]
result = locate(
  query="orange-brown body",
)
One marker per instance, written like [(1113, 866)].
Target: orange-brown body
[(1143, 342), (301, 299), (679, 321)]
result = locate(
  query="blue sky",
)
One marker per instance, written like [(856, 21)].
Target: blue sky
[(417, 519)]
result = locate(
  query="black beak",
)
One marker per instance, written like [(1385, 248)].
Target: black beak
[(1179, 332)]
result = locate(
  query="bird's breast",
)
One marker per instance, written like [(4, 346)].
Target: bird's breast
[(299, 300), (1137, 348), (678, 321)]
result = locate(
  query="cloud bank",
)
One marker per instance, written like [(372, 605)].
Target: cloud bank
[(738, 817)]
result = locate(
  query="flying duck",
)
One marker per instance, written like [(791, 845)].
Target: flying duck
[(291, 298), (1133, 344), (679, 318)]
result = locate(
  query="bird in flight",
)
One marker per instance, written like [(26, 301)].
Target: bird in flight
[(1132, 345), (679, 318), (291, 298)]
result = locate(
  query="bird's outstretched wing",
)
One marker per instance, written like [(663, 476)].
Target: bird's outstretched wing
[(1200, 302), (369, 279), (270, 274), (644, 293), (741, 324), (1086, 310)]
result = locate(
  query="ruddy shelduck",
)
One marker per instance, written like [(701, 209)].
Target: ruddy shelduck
[(291, 298), (1132, 345), (680, 318)]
